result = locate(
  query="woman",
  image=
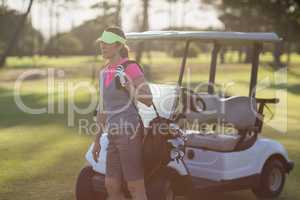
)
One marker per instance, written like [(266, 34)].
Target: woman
[(120, 117)]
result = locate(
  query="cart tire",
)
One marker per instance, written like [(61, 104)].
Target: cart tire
[(84, 189), (272, 180)]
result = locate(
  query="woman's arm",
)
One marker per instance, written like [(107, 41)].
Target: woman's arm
[(140, 90), (137, 86), (100, 120)]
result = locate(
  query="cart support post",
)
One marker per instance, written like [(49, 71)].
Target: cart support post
[(185, 54), (213, 65), (260, 117), (254, 70)]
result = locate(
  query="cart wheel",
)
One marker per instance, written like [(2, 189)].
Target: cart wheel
[(84, 188), (272, 180)]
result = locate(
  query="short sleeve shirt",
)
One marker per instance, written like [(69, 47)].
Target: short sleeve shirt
[(133, 71)]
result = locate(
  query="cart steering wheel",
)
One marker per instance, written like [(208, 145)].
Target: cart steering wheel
[(197, 104)]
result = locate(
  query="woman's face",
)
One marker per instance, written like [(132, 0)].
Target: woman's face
[(109, 50)]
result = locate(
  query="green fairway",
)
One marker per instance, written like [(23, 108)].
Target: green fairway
[(40, 156)]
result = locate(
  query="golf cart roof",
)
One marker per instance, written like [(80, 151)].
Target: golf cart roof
[(206, 36), (218, 38)]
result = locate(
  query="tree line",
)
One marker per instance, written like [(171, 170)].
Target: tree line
[(19, 38), (279, 16)]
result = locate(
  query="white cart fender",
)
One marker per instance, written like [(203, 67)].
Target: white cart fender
[(99, 166), (268, 148), (220, 166)]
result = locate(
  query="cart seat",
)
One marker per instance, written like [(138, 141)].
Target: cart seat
[(240, 111), (215, 142)]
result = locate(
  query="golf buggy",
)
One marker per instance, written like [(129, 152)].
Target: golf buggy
[(194, 161)]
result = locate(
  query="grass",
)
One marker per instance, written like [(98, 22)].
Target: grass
[(41, 155), (48, 62)]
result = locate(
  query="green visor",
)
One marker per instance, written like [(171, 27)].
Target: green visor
[(110, 38)]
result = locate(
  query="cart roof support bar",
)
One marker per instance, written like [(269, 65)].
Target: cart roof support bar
[(185, 54), (257, 47), (213, 65)]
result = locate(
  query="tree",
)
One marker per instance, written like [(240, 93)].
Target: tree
[(144, 27), (68, 45), (108, 8), (89, 31), (30, 37), (16, 35), (55, 8), (118, 13), (170, 12), (280, 16), (184, 12)]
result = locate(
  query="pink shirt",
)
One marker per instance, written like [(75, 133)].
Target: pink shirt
[(132, 71)]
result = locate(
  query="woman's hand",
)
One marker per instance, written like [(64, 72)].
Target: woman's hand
[(96, 150), (100, 120)]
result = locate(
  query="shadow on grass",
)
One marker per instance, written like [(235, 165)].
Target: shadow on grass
[(5, 92), (293, 73), (291, 88), (24, 66), (11, 115)]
